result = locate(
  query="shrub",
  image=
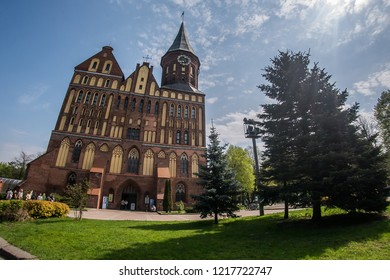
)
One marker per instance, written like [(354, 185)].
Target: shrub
[(13, 211), (18, 210), (45, 209), (180, 206)]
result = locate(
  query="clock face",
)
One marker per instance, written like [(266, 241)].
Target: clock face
[(183, 59)]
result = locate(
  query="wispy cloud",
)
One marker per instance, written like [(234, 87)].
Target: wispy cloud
[(211, 100), (33, 95), (375, 81), (230, 127)]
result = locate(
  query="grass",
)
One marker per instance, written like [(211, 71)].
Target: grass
[(338, 236)]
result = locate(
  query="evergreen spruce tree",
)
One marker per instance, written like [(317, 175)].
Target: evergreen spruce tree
[(220, 188), (167, 202), (280, 128), (327, 160)]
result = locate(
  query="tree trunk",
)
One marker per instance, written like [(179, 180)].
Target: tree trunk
[(285, 209), (216, 218), (316, 201)]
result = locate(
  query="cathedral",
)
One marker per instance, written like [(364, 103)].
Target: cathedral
[(128, 136)]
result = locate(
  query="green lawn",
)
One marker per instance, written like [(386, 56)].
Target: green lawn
[(268, 237)]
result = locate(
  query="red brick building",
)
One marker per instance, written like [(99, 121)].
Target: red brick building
[(128, 135)]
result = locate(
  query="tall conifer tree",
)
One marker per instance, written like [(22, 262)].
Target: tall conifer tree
[(220, 188)]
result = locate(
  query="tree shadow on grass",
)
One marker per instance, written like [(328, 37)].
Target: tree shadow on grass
[(254, 238)]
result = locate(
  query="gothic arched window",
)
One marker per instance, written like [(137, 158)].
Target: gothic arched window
[(133, 161), (184, 164), (77, 151), (186, 112), (180, 193), (72, 178)]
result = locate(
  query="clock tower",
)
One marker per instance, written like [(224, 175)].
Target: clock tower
[(180, 65)]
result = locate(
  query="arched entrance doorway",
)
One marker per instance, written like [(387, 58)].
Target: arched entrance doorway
[(129, 197)]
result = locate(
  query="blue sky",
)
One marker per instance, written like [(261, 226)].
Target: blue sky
[(42, 41)]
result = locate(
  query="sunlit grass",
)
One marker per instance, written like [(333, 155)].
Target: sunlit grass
[(339, 236)]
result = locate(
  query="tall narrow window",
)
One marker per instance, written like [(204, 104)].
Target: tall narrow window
[(148, 107), (107, 83), (133, 161), (186, 140), (156, 108), (118, 102), (178, 137), (85, 80), (77, 151), (172, 110), (103, 100), (179, 111), (95, 99), (94, 65), (87, 98), (126, 103), (133, 102), (184, 164), (80, 97), (141, 106), (193, 113), (108, 66), (186, 112)]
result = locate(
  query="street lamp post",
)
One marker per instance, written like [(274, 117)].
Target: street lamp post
[(252, 130)]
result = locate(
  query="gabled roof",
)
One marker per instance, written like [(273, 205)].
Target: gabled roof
[(181, 41), (104, 55)]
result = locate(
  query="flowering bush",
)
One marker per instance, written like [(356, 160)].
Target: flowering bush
[(18, 210)]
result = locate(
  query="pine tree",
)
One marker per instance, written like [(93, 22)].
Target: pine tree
[(167, 202), (314, 150), (220, 188), (280, 127)]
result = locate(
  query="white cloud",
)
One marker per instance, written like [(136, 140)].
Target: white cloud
[(211, 100), (374, 82), (33, 95), (231, 127), (249, 23)]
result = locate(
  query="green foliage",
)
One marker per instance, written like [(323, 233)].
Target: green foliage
[(220, 188), (313, 147), (180, 206), (18, 210), (238, 160), (167, 202), (77, 196), (16, 169), (39, 209), (382, 115), (340, 237)]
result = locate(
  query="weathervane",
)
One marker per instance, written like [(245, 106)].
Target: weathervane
[(147, 58), (182, 16)]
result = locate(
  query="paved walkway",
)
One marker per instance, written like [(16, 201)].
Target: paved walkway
[(110, 214)]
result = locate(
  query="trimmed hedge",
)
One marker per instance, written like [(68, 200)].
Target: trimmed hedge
[(17, 210)]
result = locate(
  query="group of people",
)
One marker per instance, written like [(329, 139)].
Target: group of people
[(30, 195)]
